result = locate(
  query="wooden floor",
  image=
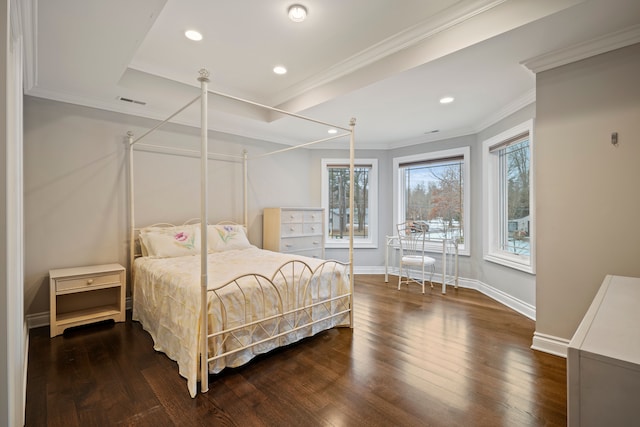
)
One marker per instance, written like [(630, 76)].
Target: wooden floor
[(411, 360)]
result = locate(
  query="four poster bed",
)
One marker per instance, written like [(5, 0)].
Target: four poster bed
[(212, 300)]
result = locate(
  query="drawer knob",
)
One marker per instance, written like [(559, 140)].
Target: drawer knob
[(292, 228), (89, 281)]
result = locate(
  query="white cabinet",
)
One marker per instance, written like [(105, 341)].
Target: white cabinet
[(294, 230), (82, 295), (603, 359)]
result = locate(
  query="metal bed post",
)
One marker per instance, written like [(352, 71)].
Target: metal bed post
[(204, 157), (352, 124), (132, 249), (245, 189)]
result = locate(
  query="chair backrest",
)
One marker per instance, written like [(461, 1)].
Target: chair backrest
[(412, 237)]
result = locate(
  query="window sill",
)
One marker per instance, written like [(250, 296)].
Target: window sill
[(514, 262)]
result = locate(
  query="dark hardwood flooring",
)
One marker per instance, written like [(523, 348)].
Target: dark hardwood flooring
[(411, 360)]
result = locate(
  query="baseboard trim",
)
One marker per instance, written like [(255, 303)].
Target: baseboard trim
[(550, 344), (37, 320), (503, 298), (25, 365), (513, 303), (42, 319)]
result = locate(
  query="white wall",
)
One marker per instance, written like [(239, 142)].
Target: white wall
[(587, 189)]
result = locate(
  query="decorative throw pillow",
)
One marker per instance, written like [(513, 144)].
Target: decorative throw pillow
[(224, 237), (171, 241)]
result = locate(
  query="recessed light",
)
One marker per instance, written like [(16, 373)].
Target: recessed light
[(332, 131), (297, 12), (446, 100), (193, 35), (279, 69)]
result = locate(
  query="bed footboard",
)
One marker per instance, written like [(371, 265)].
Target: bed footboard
[(253, 314)]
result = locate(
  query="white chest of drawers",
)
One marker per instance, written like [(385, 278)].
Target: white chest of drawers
[(84, 295), (294, 230)]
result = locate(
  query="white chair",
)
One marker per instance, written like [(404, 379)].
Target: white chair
[(413, 260)]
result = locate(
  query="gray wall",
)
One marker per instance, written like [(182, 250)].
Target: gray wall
[(587, 189), (465, 269), (515, 283), (76, 191), (367, 257), (76, 206)]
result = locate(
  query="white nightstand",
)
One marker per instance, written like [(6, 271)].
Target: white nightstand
[(84, 295)]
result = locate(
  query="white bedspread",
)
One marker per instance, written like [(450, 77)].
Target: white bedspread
[(166, 301)]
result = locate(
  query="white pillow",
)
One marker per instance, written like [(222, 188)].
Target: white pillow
[(171, 241), (224, 237)]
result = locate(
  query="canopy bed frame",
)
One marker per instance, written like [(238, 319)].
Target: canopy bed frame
[(307, 273)]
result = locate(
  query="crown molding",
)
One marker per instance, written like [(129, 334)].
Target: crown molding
[(616, 40), (402, 40), (517, 104)]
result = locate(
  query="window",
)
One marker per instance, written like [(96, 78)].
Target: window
[(434, 188), (508, 207), (335, 201)]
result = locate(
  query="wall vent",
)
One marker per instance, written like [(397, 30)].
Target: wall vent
[(133, 101)]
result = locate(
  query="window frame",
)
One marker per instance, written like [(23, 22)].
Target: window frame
[(372, 240), (492, 202), (398, 207)]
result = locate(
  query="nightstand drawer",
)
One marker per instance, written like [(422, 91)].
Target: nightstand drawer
[(93, 281)]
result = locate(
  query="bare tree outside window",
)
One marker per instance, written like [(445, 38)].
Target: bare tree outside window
[(339, 201), (434, 195), (514, 172)]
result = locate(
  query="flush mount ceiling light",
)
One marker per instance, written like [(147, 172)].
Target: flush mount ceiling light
[(446, 100), (193, 35), (279, 69), (332, 131), (297, 12)]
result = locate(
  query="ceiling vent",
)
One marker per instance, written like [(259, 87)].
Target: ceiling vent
[(132, 101)]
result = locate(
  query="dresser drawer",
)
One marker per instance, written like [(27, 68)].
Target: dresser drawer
[(312, 228), (93, 281), (289, 217), (292, 229), (294, 244), (313, 216)]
